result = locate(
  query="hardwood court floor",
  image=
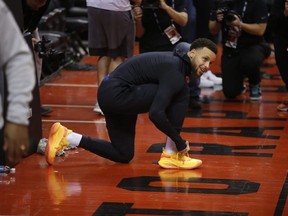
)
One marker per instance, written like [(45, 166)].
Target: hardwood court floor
[(243, 146)]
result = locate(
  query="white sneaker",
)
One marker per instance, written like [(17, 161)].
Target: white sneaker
[(212, 77), (97, 109), (205, 83)]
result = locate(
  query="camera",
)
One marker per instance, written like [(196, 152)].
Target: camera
[(229, 16), (44, 49), (53, 58), (150, 4), (226, 6)]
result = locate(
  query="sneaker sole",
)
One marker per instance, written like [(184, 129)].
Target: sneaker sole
[(255, 98), (50, 158), (98, 111), (166, 165)]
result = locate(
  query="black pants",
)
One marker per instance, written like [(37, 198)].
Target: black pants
[(281, 56), (236, 65), (121, 103)]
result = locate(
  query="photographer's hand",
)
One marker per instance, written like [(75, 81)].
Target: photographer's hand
[(219, 15), (181, 18), (237, 22), (250, 28), (137, 12)]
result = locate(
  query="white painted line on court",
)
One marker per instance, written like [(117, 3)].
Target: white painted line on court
[(71, 85), (68, 105)]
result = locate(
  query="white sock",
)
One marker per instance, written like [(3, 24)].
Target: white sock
[(74, 139), (170, 146)]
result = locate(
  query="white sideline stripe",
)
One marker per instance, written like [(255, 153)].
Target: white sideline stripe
[(71, 85), (68, 105), (100, 121)]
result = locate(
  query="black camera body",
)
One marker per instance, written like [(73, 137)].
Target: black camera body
[(42, 47), (150, 4), (45, 50), (227, 6)]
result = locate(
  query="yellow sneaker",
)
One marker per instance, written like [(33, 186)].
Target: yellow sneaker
[(178, 160), (56, 141)]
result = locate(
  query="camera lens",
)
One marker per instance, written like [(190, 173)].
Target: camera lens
[(230, 17)]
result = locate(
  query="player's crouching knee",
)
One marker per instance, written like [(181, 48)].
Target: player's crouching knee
[(125, 158)]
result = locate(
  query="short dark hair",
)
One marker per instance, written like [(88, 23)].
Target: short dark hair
[(204, 42)]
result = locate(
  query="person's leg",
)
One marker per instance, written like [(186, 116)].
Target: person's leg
[(115, 62), (250, 63), (103, 68), (120, 113), (170, 146), (121, 130), (232, 76), (98, 43), (175, 155), (251, 60), (176, 113), (103, 65), (117, 29)]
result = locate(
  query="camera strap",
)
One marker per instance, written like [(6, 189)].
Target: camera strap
[(244, 9), (157, 20), (171, 31)]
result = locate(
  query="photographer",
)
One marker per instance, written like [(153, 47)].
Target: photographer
[(243, 23), (158, 23)]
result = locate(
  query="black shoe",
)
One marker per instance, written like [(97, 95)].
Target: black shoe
[(195, 104), (255, 92), (45, 110)]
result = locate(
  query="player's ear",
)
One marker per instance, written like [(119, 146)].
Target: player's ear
[(192, 53)]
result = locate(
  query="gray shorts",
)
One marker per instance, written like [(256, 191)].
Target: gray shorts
[(111, 33)]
